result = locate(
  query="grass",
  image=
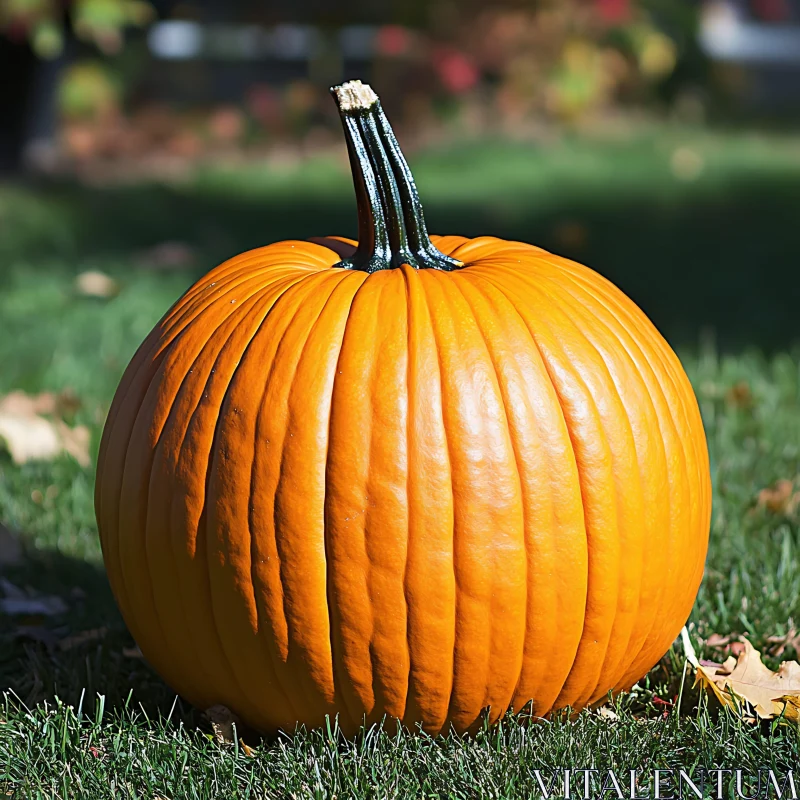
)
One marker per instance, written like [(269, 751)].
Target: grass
[(711, 260)]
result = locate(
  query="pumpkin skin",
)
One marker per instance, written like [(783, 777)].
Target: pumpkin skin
[(411, 492)]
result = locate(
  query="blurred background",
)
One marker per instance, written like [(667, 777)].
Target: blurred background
[(656, 141)]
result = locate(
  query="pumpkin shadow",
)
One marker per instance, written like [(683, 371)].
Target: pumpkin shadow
[(82, 653)]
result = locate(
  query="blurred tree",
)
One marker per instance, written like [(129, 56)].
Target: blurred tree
[(17, 59), (45, 23), (34, 32)]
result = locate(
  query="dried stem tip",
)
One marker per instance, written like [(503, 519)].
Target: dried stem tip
[(354, 95)]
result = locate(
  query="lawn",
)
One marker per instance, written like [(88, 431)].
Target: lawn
[(711, 256)]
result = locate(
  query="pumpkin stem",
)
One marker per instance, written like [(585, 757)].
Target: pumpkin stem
[(391, 223)]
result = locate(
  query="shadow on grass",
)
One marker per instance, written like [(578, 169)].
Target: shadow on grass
[(81, 653), (723, 258)]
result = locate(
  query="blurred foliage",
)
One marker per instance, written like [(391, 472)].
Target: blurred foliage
[(504, 67), (99, 22), (88, 91), (567, 58)]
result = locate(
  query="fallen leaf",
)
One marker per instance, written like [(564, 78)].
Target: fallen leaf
[(607, 713), (745, 678), (686, 164), (780, 498), (67, 402), (37, 633), (10, 548), (704, 671), (792, 711), (18, 602), (167, 255), (222, 720), (248, 751), (30, 436), (740, 395), (94, 283), (728, 644), (25, 405), (571, 234), (44, 403), (791, 639), (81, 638), (736, 648), (75, 441)]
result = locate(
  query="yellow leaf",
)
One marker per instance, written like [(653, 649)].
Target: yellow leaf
[(248, 751), (747, 679)]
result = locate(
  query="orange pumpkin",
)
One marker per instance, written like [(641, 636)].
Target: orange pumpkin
[(416, 477)]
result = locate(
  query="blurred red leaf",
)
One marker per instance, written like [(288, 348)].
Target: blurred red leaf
[(392, 40), (456, 71), (613, 11)]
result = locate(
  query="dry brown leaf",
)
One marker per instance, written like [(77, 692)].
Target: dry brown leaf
[(75, 441), (780, 498), (37, 633), (791, 639), (82, 637), (740, 395), (222, 721), (736, 648), (23, 404), (67, 402), (727, 644), (94, 283), (776, 497), (30, 436), (769, 693), (571, 234), (45, 403), (718, 641), (167, 255)]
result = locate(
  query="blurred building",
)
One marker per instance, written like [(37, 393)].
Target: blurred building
[(207, 53), (762, 38)]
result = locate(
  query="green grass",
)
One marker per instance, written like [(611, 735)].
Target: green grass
[(713, 261)]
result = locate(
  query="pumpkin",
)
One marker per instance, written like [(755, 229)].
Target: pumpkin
[(416, 477)]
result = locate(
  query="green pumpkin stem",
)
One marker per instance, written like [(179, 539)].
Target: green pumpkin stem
[(391, 223)]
